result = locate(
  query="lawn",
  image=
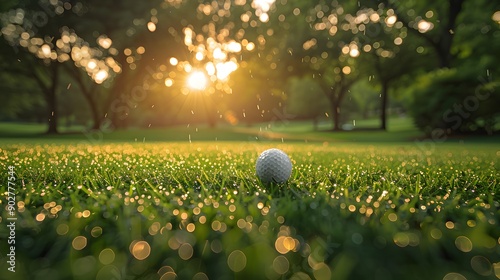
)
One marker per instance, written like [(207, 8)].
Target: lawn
[(399, 129), (195, 210)]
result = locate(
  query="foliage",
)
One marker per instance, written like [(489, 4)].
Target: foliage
[(365, 98), (456, 101), (306, 98), (248, 50), (19, 98)]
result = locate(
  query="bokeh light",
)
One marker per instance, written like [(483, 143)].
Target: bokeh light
[(454, 276), (481, 265), (496, 17), (140, 250), (62, 229), (169, 82), (107, 256), (322, 272), (185, 251), (197, 80), (79, 242), (237, 261), (463, 244), (424, 26), (281, 265)]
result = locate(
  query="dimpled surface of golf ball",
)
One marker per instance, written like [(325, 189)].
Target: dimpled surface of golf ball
[(273, 165)]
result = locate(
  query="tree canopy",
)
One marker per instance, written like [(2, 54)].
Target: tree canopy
[(166, 62)]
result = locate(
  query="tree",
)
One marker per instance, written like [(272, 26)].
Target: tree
[(393, 59), (450, 101), (365, 97), (440, 14), (394, 53), (306, 99), (22, 63), (43, 48), (254, 99), (317, 48), (123, 28), (461, 99)]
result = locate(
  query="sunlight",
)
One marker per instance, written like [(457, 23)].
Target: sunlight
[(250, 46), (225, 69), (496, 17), (197, 80), (169, 82), (261, 8), (424, 26), (91, 65), (263, 5), (174, 61), (151, 26), (103, 41), (46, 50), (391, 20), (234, 47), (101, 76), (210, 68), (218, 54), (354, 52)]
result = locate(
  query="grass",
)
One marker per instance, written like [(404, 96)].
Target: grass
[(197, 211), (399, 130)]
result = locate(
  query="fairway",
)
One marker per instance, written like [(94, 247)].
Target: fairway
[(197, 211)]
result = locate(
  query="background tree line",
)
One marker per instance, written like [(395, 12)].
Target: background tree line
[(125, 64)]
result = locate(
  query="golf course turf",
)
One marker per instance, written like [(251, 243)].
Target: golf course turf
[(197, 211)]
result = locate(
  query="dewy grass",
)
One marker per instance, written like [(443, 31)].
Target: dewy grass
[(197, 211)]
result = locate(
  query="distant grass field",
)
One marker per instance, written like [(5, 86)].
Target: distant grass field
[(170, 210), (400, 129)]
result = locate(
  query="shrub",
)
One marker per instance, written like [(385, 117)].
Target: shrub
[(455, 101)]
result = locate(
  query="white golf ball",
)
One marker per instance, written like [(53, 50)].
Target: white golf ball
[(273, 165)]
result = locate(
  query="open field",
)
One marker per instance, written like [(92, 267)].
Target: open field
[(399, 130), (197, 211)]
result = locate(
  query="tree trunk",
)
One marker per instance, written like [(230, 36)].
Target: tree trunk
[(118, 109), (446, 40), (88, 93), (336, 115), (120, 121), (52, 112), (51, 98), (94, 109), (114, 107), (383, 107), (315, 123), (365, 113), (442, 43), (96, 119), (336, 96)]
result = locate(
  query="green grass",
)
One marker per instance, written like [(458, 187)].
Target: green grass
[(197, 210), (285, 131), (400, 129)]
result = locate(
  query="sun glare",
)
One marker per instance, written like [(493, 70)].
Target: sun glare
[(424, 26), (197, 80), (225, 69), (101, 76)]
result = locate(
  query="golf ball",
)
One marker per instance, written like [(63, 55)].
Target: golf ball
[(273, 165)]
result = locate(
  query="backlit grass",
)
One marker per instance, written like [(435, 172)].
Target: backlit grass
[(197, 211)]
